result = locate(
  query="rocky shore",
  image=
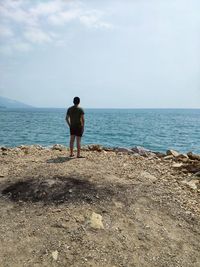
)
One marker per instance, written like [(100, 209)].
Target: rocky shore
[(113, 207)]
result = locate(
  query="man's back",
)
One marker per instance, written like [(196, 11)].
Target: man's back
[(75, 113)]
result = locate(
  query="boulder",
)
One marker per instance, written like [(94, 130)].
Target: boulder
[(193, 167), (58, 147), (123, 149), (193, 156), (160, 154), (142, 151), (173, 153), (3, 148), (182, 157), (96, 147), (177, 165), (85, 148), (169, 157)]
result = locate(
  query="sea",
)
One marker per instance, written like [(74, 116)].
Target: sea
[(155, 129)]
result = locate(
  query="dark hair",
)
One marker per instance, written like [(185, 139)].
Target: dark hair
[(76, 100)]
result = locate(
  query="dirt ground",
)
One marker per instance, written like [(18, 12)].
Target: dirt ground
[(149, 216)]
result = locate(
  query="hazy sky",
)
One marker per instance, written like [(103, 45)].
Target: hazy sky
[(122, 54)]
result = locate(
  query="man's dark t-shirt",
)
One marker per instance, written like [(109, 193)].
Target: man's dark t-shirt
[(75, 113)]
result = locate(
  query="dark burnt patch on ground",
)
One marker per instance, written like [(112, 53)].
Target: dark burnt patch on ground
[(57, 190)]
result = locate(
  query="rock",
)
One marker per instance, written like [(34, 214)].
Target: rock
[(96, 221), (22, 147), (118, 204), (169, 157), (174, 153), (38, 147), (147, 176), (3, 148), (61, 225), (193, 156), (58, 147), (55, 255), (194, 167), (16, 149), (123, 149), (98, 148), (177, 165), (184, 160), (182, 157), (192, 184), (108, 149), (142, 151), (85, 148), (197, 175), (159, 154)]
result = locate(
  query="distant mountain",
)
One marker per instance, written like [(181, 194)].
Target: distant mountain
[(9, 103)]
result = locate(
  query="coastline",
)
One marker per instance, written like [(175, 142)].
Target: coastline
[(105, 209)]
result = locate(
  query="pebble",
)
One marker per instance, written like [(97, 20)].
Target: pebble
[(55, 255)]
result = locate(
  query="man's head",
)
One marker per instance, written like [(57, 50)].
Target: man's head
[(76, 100)]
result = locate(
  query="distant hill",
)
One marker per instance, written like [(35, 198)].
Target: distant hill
[(10, 103)]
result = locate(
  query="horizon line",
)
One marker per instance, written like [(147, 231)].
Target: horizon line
[(33, 107)]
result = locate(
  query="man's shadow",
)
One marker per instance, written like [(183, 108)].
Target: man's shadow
[(60, 159)]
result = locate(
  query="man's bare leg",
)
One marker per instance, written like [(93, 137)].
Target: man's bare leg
[(78, 143), (72, 138)]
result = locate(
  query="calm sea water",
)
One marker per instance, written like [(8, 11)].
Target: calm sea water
[(155, 129)]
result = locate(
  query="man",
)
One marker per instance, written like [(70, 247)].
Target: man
[(75, 120)]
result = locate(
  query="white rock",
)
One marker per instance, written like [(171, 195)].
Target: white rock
[(169, 157), (177, 165), (96, 221), (147, 176), (55, 255), (58, 147), (174, 153)]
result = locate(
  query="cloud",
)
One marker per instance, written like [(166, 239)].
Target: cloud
[(19, 46), (36, 35), (43, 9), (22, 47), (36, 23), (5, 31), (13, 11), (93, 21), (62, 18)]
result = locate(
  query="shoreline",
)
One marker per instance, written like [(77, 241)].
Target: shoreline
[(98, 147)]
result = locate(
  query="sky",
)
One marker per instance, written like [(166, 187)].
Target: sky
[(110, 53)]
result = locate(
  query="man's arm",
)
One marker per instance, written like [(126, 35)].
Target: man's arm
[(82, 121), (68, 120)]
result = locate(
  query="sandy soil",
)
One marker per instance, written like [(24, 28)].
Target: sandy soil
[(146, 215)]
